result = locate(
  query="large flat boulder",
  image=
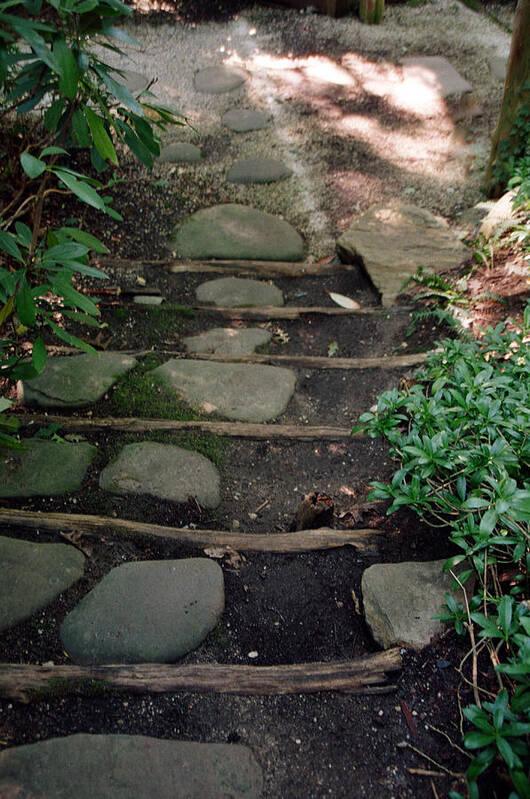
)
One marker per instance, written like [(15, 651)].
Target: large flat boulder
[(180, 152), (234, 231), (164, 471), (44, 468), (228, 340), (75, 381), (400, 600), (242, 392), (258, 170), (128, 767), (147, 612), (219, 79), (242, 120), (33, 575), (391, 242), (237, 292)]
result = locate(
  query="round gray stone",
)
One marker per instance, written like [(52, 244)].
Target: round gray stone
[(228, 340), (75, 381), (164, 471), (243, 392), (32, 575), (237, 231), (148, 299), (128, 767), (135, 82), (45, 468), (400, 600), (242, 120), (147, 612), (238, 292), (219, 79), (257, 170), (180, 151)]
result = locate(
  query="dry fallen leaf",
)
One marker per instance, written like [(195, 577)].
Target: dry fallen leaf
[(343, 301), (233, 558)]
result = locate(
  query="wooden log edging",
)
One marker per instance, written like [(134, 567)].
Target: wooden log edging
[(364, 539), (363, 675), (314, 361), (293, 269), (251, 430)]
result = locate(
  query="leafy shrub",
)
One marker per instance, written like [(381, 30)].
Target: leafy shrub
[(55, 94), (461, 434)]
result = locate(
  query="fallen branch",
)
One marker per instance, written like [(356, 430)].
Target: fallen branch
[(264, 268), (294, 311), (99, 526), (316, 362), (231, 429), (363, 675)]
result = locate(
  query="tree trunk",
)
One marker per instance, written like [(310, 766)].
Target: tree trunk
[(371, 11), (516, 96)]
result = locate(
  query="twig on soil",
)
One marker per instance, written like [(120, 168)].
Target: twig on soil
[(434, 762), (448, 738), (425, 772), (434, 791), (471, 631)]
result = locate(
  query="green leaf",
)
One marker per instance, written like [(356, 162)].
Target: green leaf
[(119, 91), (67, 69), (82, 190), (5, 404), (87, 239), (9, 245), (102, 140), (26, 309), (37, 44), (53, 150), (24, 233), (71, 340), (38, 356), (488, 521), (33, 167), (81, 129), (476, 740), (53, 115)]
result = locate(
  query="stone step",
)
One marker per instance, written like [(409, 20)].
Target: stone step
[(44, 468), (129, 767), (239, 292), (258, 170), (146, 612), (236, 231)]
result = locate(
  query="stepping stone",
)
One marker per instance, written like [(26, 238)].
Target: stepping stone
[(135, 82), (219, 79), (129, 767), (500, 217), (228, 340), (242, 120), (242, 392), (392, 242), (257, 170), (32, 575), (427, 82), (45, 468), (148, 299), (147, 612), (75, 381), (400, 600), (237, 292), (498, 65), (180, 151), (234, 231), (164, 471)]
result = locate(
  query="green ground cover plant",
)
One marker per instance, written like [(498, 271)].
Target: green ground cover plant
[(57, 94), (461, 435)]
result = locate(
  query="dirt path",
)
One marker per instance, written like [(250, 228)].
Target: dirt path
[(351, 140)]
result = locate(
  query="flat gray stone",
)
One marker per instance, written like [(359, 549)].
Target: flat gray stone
[(45, 468), (32, 575), (257, 170), (219, 79), (242, 120), (237, 231), (164, 471), (148, 299), (128, 767), (147, 612), (135, 82), (228, 340), (243, 392), (437, 72), (392, 242), (180, 151), (400, 600), (498, 65), (75, 381), (237, 292)]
